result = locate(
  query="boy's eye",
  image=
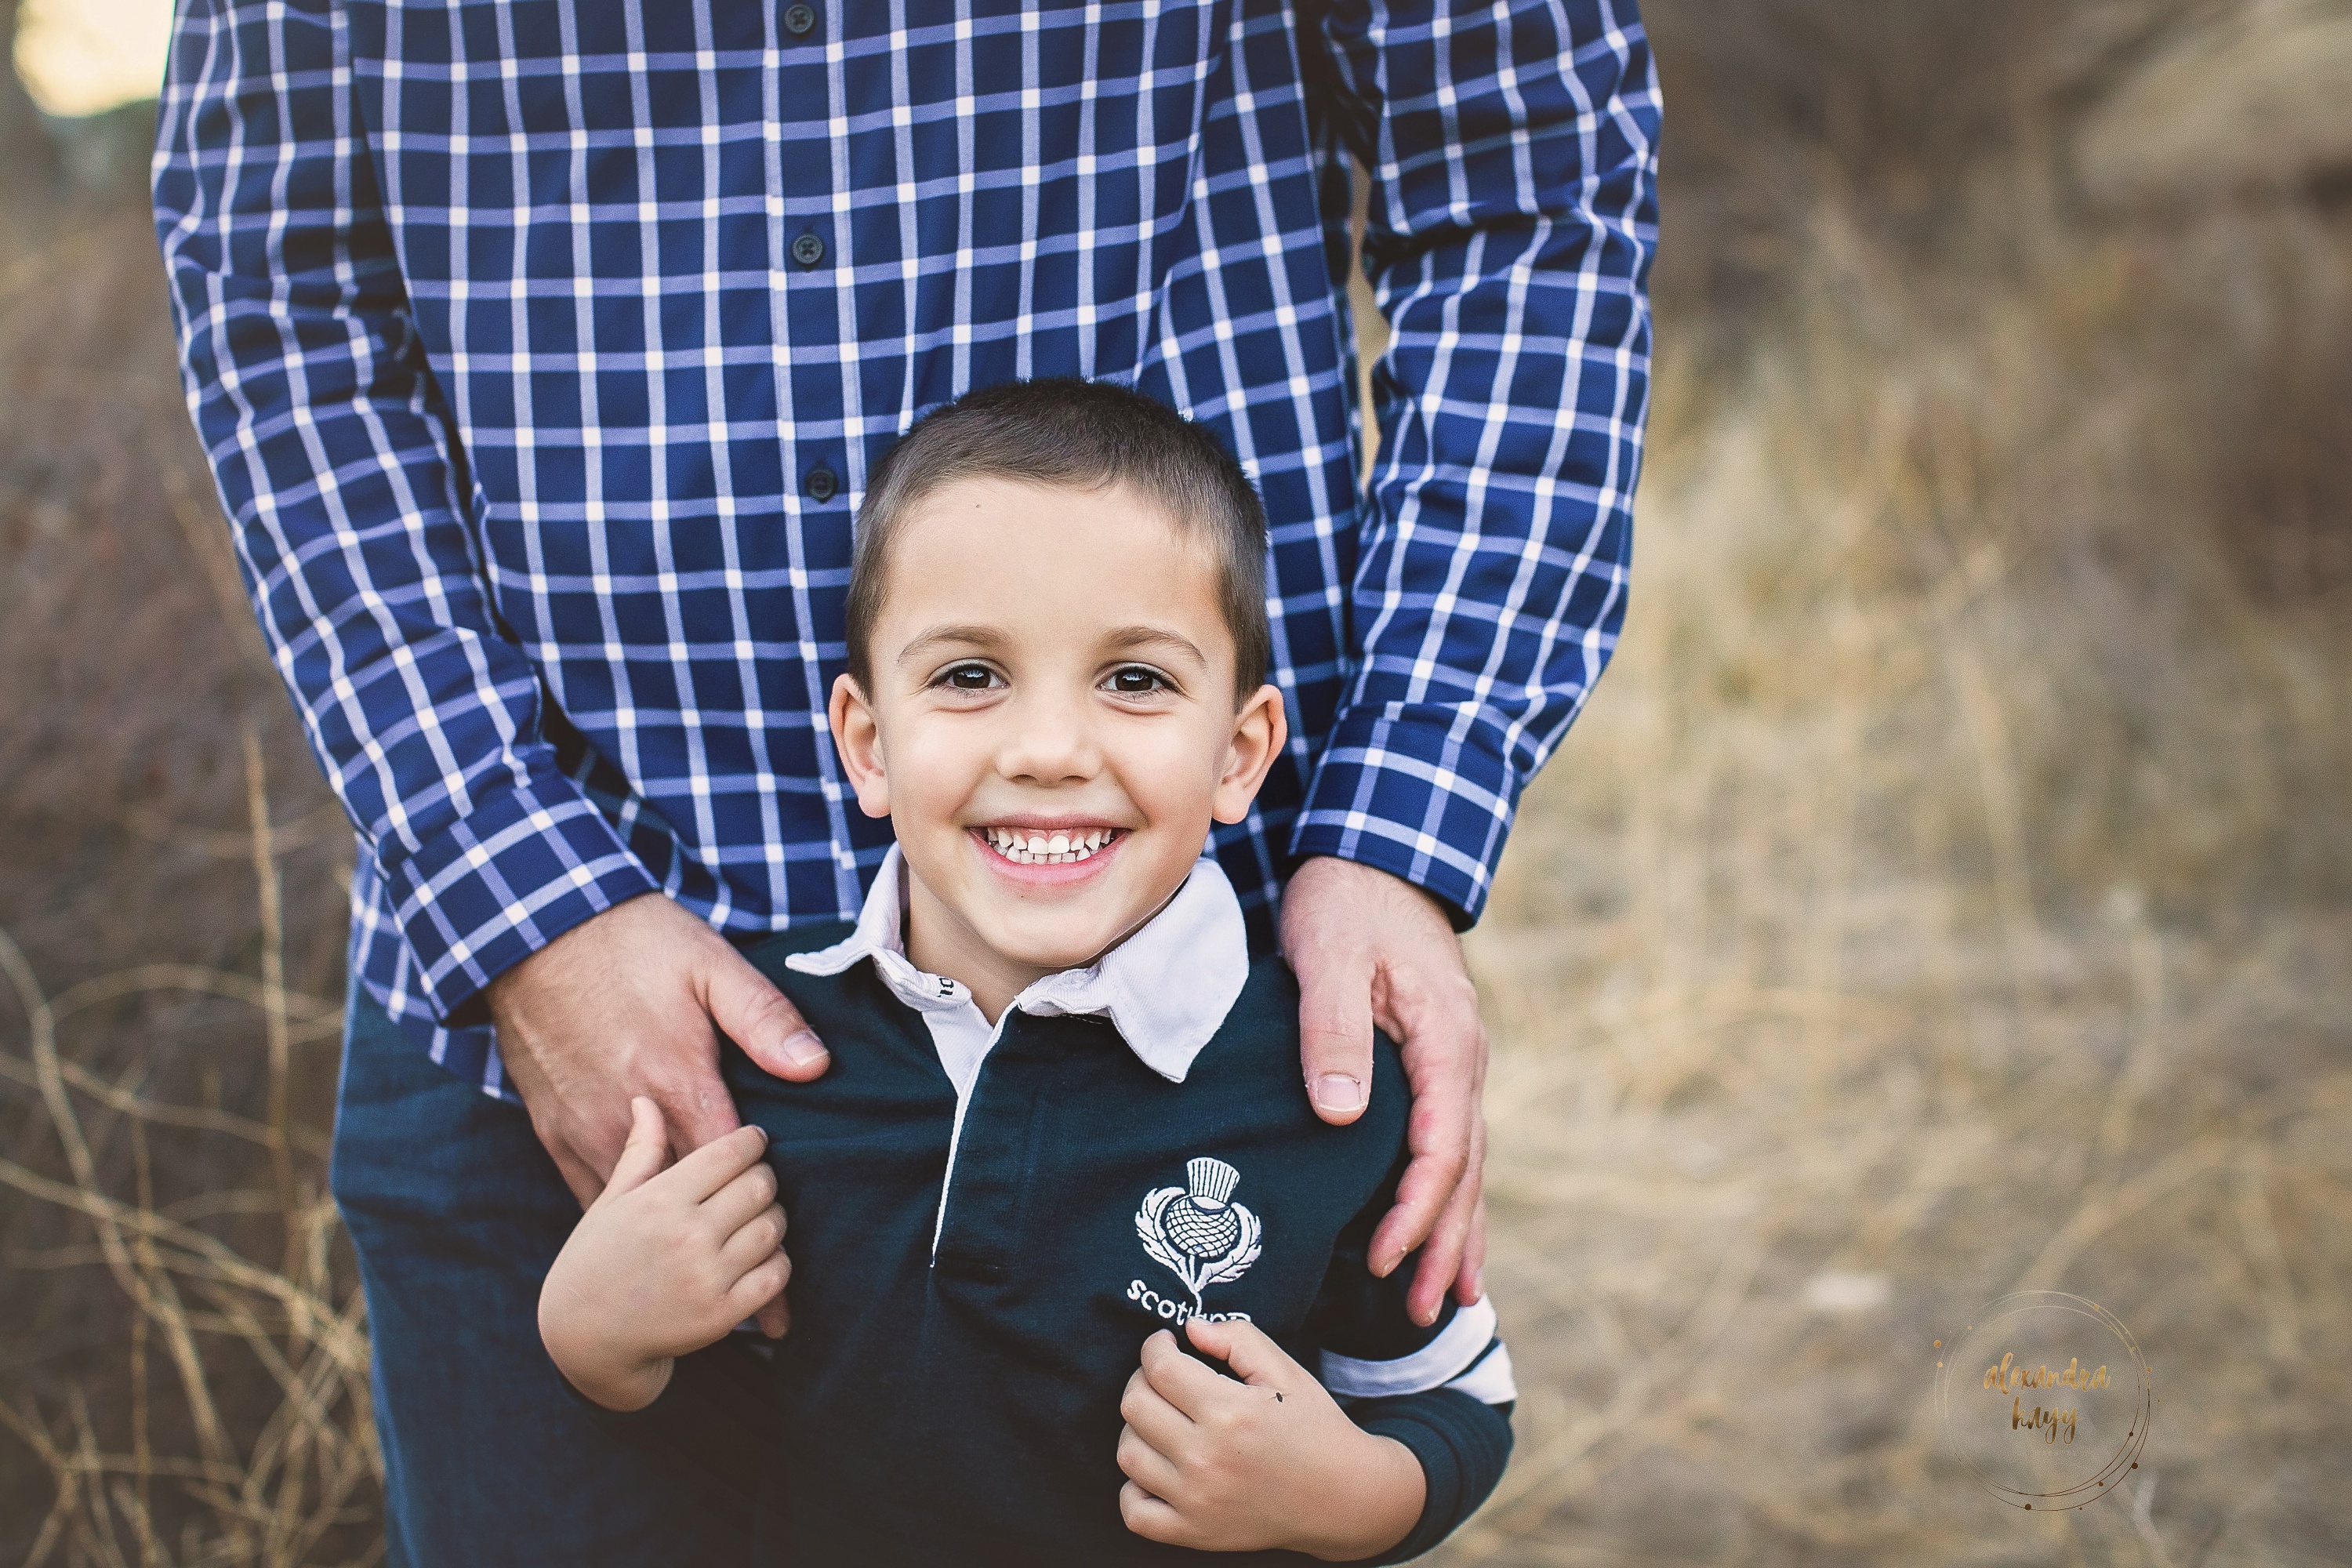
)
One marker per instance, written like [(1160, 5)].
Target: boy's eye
[(969, 678), (1134, 681)]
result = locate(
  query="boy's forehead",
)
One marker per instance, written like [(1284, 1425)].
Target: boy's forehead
[(1050, 527), (988, 552)]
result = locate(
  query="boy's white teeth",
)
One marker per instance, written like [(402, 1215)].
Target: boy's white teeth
[(1047, 849)]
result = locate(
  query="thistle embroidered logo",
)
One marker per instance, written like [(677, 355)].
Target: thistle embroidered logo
[(1198, 1233)]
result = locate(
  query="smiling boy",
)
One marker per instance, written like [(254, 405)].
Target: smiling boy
[(1065, 1124)]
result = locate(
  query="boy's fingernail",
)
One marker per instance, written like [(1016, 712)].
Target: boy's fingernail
[(804, 1049), (1338, 1092)]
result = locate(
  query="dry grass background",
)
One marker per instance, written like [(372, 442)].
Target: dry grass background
[(1949, 889)]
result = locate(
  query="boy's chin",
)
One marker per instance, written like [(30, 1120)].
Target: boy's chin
[(1059, 944)]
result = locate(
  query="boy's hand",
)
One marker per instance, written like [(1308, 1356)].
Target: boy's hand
[(1269, 1462), (626, 1004), (664, 1262)]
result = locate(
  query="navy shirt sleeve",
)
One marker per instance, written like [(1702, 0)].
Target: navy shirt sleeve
[(1444, 1391), (713, 1425)]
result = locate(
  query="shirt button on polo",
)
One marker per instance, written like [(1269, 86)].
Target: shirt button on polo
[(800, 21), (808, 249), (821, 484)]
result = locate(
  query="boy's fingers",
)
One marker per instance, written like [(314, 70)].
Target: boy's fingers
[(752, 1013), (719, 1162), (763, 1284), (1146, 1466), (754, 1239), (750, 1191), (775, 1318), (1148, 1516), (1156, 1421), (1177, 1377), (1248, 1349), (647, 1152)]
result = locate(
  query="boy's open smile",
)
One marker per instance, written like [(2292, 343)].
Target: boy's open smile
[(1036, 847)]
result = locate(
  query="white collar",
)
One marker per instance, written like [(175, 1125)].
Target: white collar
[(1166, 989)]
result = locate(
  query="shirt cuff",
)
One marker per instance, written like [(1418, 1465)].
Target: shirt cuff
[(525, 866), (1463, 1446), (1424, 793)]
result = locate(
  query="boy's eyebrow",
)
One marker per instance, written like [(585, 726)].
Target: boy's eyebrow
[(1129, 638), (952, 635)]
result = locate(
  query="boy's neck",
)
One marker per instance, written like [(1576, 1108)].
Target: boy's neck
[(940, 941)]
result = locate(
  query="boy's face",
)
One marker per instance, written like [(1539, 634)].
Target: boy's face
[(1053, 724)]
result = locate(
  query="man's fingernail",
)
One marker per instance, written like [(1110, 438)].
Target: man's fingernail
[(804, 1049), (1338, 1092)]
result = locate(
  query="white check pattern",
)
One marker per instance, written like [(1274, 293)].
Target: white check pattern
[(541, 351)]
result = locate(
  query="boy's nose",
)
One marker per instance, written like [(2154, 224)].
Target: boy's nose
[(1047, 744)]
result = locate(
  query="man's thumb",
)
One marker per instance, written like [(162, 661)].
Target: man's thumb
[(644, 1154), (1335, 1037), (755, 1015)]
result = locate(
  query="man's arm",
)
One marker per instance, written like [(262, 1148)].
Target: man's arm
[(342, 475), (1513, 151)]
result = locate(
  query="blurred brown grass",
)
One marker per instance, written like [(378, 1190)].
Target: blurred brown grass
[(1949, 889)]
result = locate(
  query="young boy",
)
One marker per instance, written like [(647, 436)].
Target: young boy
[(1063, 1143)]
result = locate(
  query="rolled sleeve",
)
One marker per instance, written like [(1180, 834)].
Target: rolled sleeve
[(344, 479), (1514, 152)]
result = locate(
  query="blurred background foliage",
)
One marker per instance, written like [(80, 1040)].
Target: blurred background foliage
[(1949, 890)]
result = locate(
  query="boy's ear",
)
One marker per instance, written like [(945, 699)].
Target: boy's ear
[(857, 741), (1260, 728)]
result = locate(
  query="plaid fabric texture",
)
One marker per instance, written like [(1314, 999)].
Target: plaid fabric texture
[(542, 350)]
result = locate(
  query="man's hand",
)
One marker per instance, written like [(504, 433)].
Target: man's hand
[(664, 1262), (625, 1005), (1270, 1462), (1369, 947)]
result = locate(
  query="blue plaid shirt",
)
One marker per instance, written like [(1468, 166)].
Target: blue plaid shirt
[(541, 351)]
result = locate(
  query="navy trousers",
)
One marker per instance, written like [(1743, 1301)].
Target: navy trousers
[(489, 1458)]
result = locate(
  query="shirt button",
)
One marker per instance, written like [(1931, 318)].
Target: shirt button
[(821, 484), (808, 249), (800, 21)]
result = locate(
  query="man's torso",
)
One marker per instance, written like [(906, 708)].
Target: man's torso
[(682, 273)]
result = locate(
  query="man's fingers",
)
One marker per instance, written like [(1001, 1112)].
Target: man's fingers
[(1335, 1034), (775, 1318), (1470, 1284), (1440, 1259), (711, 1167), (1439, 1134), (646, 1153), (754, 1014)]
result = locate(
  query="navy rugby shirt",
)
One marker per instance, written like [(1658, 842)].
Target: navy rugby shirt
[(988, 1223)]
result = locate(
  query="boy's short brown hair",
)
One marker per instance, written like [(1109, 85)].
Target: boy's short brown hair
[(1084, 435)]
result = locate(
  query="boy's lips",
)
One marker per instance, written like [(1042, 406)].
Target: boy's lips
[(1047, 853)]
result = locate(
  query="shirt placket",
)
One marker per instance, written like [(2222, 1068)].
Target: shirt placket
[(983, 1196), (811, 345)]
